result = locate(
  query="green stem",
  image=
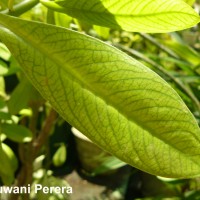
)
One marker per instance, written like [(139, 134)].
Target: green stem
[(161, 69), (20, 8), (160, 46), (44, 133)]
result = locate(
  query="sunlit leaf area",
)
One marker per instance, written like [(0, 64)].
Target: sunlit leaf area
[(99, 100)]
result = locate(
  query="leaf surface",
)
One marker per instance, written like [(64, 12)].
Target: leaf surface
[(138, 16), (118, 103)]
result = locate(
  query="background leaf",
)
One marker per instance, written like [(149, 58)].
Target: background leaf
[(18, 101), (138, 16), (117, 102), (16, 132), (111, 163), (190, 2), (6, 166), (12, 157)]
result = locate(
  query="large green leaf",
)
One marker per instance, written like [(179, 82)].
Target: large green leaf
[(117, 102), (131, 15)]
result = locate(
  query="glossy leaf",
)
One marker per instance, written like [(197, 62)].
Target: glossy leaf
[(114, 100), (139, 16), (16, 132)]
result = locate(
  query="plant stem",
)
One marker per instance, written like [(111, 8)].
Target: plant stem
[(161, 69), (160, 46), (29, 151), (20, 8), (44, 133)]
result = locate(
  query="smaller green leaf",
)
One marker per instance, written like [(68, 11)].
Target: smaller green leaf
[(12, 157), (60, 156), (102, 31), (4, 52), (62, 19), (139, 16), (17, 133), (6, 168), (26, 112), (190, 2)]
